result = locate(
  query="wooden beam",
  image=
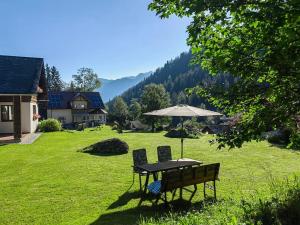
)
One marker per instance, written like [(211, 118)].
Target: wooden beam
[(5, 98), (17, 117)]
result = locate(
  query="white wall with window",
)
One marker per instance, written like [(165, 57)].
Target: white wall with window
[(29, 124), (6, 117)]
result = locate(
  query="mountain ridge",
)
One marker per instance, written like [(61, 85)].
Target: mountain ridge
[(177, 75), (113, 87)]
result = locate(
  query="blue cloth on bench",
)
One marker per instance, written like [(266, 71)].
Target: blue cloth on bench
[(154, 187)]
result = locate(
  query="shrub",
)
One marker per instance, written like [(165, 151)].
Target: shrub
[(279, 136), (281, 207), (294, 141), (50, 125), (192, 127), (113, 146), (177, 133)]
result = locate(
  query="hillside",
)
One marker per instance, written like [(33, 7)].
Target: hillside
[(113, 88), (177, 75)]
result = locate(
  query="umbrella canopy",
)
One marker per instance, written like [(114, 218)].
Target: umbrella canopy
[(183, 111)]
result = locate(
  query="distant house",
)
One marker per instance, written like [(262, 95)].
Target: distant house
[(23, 94), (76, 107), (138, 125)]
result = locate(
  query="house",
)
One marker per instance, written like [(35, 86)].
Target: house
[(72, 108), (138, 125), (23, 94)]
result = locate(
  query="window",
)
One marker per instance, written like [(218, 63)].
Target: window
[(34, 109), (7, 113)]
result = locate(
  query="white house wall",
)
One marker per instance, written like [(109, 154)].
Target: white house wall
[(58, 113), (34, 123), (25, 117), (28, 125)]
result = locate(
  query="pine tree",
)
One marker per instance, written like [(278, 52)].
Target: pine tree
[(57, 83), (54, 81)]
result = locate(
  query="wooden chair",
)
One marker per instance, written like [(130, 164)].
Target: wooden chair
[(139, 158), (164, 153)]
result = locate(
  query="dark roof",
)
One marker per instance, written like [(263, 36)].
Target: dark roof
[(62, 99), (19, 75)]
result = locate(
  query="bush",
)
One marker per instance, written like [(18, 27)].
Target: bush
[(50, 125), (294, 141), (192, 127), (282, 208), (177, 133), (279, 136), (113, 146)]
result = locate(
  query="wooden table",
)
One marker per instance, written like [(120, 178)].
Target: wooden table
[(154, 168)]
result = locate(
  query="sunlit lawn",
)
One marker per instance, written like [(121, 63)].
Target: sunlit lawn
[(50, 182)]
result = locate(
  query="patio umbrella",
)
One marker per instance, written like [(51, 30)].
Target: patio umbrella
[(182, 111)]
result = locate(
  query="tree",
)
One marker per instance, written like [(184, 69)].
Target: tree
[(86, 80), (119, 111), (54, 81), (135, 110), (257, 42), (154, 97), (71, 87), (181, 98)]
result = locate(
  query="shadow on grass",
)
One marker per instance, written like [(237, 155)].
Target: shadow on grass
[(102, 154), (124, 199), (284, 147), (134, 215), (89, 150), (142, 131)]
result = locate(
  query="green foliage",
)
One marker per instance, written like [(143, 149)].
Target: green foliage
[(154, 97), (192, 127), (176, 76), (54, 81), (257, 43), (294, 141), (135, 110), (50, 125), (118, 111), (280, 137), (281, 207), (86, 80)]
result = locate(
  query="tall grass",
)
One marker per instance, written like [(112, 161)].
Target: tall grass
[(281, 207)]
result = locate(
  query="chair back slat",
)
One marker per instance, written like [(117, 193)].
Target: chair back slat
[(164, 153), (189, 176), (139, 157)]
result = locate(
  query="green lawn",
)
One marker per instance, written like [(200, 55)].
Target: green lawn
[(50, 182)]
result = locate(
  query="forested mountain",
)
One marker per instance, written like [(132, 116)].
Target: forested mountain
[(177, 75), (113, 88)]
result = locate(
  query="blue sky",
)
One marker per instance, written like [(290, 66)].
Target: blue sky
[(114, 37)]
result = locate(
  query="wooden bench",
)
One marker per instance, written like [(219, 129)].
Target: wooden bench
[(179, 179)]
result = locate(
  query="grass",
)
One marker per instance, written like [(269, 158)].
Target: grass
[(51, 182)]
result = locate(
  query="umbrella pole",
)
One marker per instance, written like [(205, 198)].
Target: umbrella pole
[(181, 138)]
